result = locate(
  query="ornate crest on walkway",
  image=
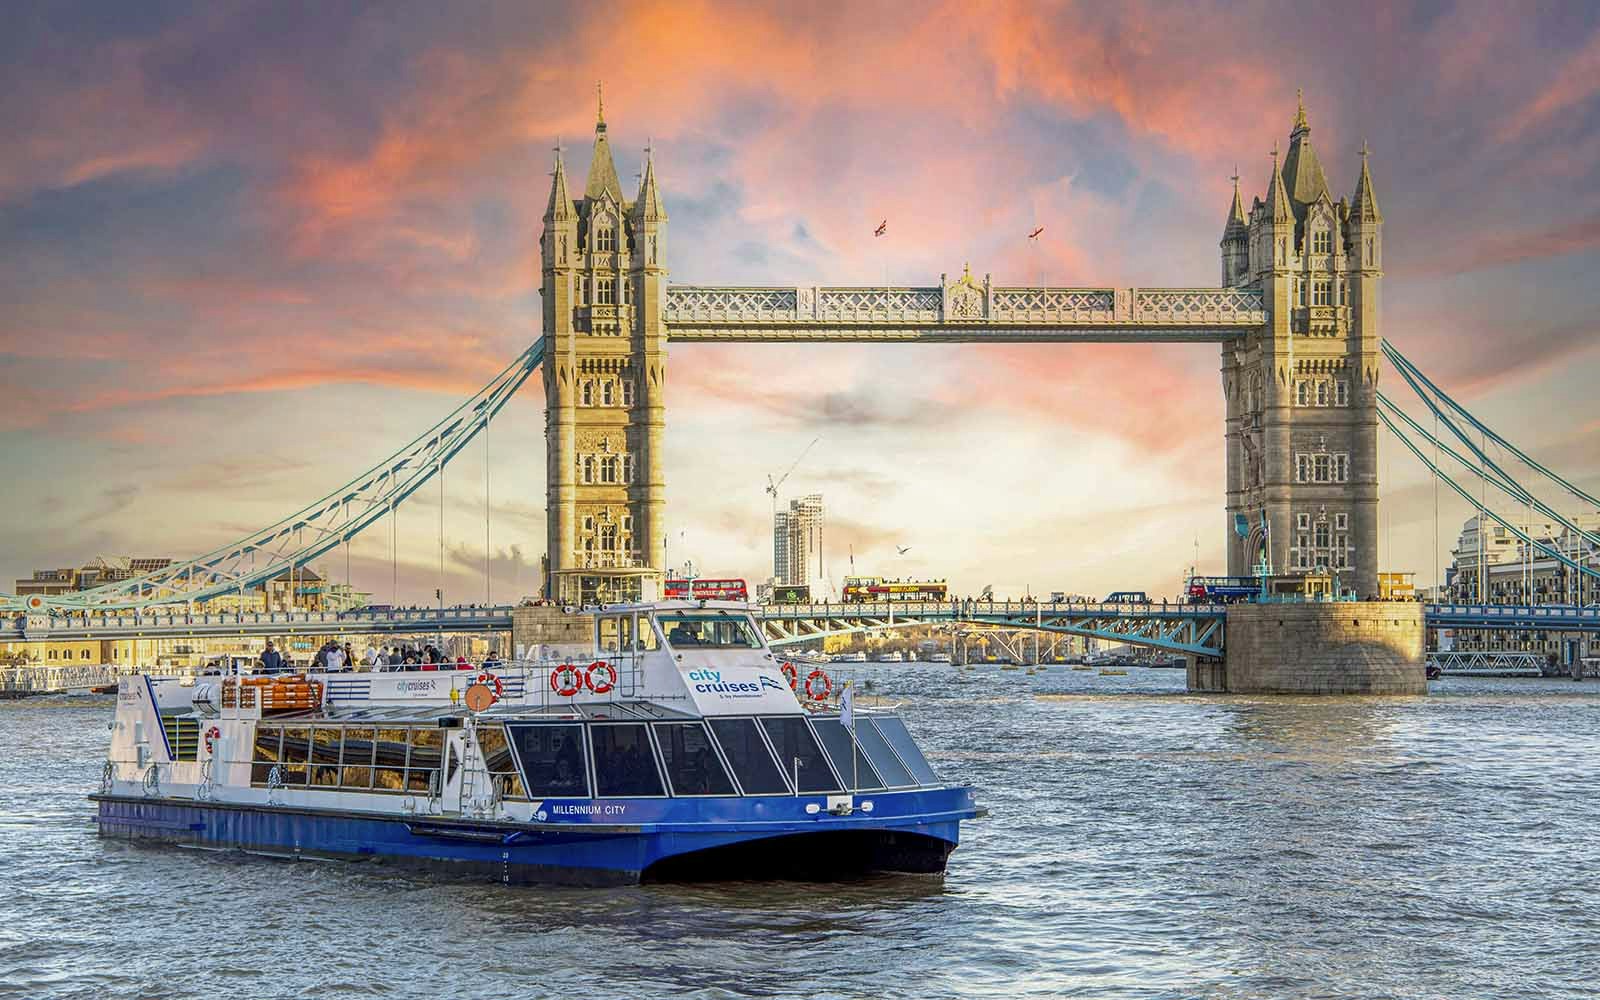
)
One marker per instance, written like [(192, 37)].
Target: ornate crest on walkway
[(964, 298)]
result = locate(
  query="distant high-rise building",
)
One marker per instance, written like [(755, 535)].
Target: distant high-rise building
[(797, 544)]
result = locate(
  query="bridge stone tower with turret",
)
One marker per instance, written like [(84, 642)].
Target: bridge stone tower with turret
[(1302, 454), (603, 285)]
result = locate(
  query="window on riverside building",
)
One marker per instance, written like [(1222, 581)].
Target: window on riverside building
[(749, 757), (1322, 241), (553, 760), (692, 765)]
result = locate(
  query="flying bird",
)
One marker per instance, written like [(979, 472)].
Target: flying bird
[(883, 227), (902, 549), (1035, 234)]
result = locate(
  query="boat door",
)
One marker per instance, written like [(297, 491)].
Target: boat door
[(455, 776), (623, 640)]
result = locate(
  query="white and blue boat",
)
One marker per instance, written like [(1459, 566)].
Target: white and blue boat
[(678, 747)]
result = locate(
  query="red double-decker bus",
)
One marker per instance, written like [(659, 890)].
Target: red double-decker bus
[(706, 590)]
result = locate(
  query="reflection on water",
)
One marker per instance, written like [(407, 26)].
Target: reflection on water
[(1143, 843)]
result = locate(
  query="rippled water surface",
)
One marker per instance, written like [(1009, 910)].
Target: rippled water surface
[(1142, 843)]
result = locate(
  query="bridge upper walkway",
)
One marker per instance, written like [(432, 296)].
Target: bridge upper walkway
[(960, 312)]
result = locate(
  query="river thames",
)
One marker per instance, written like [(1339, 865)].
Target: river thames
[(1141, 843)]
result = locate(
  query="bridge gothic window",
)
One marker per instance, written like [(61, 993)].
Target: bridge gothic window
[(1302, 392), (627, 468), (1322, 292), (1322, 241), (607, 393), (588, 469), (605, 292), (1341, 393), (587, 393), (627, 392), (605, 237), (1321, 468)]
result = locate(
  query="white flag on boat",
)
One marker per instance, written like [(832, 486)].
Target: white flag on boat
[(847, 706)]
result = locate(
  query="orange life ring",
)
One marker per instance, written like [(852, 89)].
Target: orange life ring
[(490, 679), (603, 686), (570, 686), (211, 734), (827, 685), (792, 674)]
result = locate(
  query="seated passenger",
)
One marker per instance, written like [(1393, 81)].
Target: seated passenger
[(566, 777), (683, 635)]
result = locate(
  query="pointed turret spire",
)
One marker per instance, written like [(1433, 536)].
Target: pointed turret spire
[(1302, 172), (1236, 225), (1364, 204), (602, 172), (1278, 201), (648, 204), (560, 205)]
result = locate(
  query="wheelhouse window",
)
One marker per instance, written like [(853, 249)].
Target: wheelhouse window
[(894, 732), (793, 741), (749, 757), (838, 743), (624, 763), (553, 760), (715, 629), (692, 765)]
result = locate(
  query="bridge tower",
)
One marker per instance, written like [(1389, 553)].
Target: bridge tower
[(603, 287), (1301, 393)]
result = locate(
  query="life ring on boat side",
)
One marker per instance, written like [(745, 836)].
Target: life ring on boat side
[(490, 679), (212, 734), (565, 680), (792, 675), (827, 685), (600, 687)]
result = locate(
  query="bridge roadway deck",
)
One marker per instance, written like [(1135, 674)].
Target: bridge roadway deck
[(1183, 628)]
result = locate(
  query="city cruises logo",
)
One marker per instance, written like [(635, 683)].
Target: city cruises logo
[(708, 681)]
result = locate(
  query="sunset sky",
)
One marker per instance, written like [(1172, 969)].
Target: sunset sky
[(251, 249)]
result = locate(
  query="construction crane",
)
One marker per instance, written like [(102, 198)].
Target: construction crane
[(772, 487)]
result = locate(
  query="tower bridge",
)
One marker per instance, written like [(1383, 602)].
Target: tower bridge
[(1295, 317), (1295, 314)]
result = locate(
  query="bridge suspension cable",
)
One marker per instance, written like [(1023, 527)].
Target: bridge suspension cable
[(329, 522), (1413, 375), (1503, 481)]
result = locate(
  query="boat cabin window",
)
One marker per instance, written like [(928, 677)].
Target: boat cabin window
[(614, 633), (553, 759), (893, 773), (693, 767), (749, 757), (269, 741), (709, 629), (389, 760), (624, 763), (427, 754), (838, 743), (296, 751), (645, 638), (356, 771), (894, 731), (497, 758), (793, 741)]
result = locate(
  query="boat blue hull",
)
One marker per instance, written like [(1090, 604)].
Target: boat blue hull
[(595, 842)]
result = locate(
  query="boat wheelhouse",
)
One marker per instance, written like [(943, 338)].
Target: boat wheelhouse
[(675, 745)]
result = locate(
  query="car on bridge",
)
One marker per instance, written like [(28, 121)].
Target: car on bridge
[(1127, 597)]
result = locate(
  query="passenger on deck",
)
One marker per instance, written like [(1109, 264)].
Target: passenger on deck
[(271, 660)]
